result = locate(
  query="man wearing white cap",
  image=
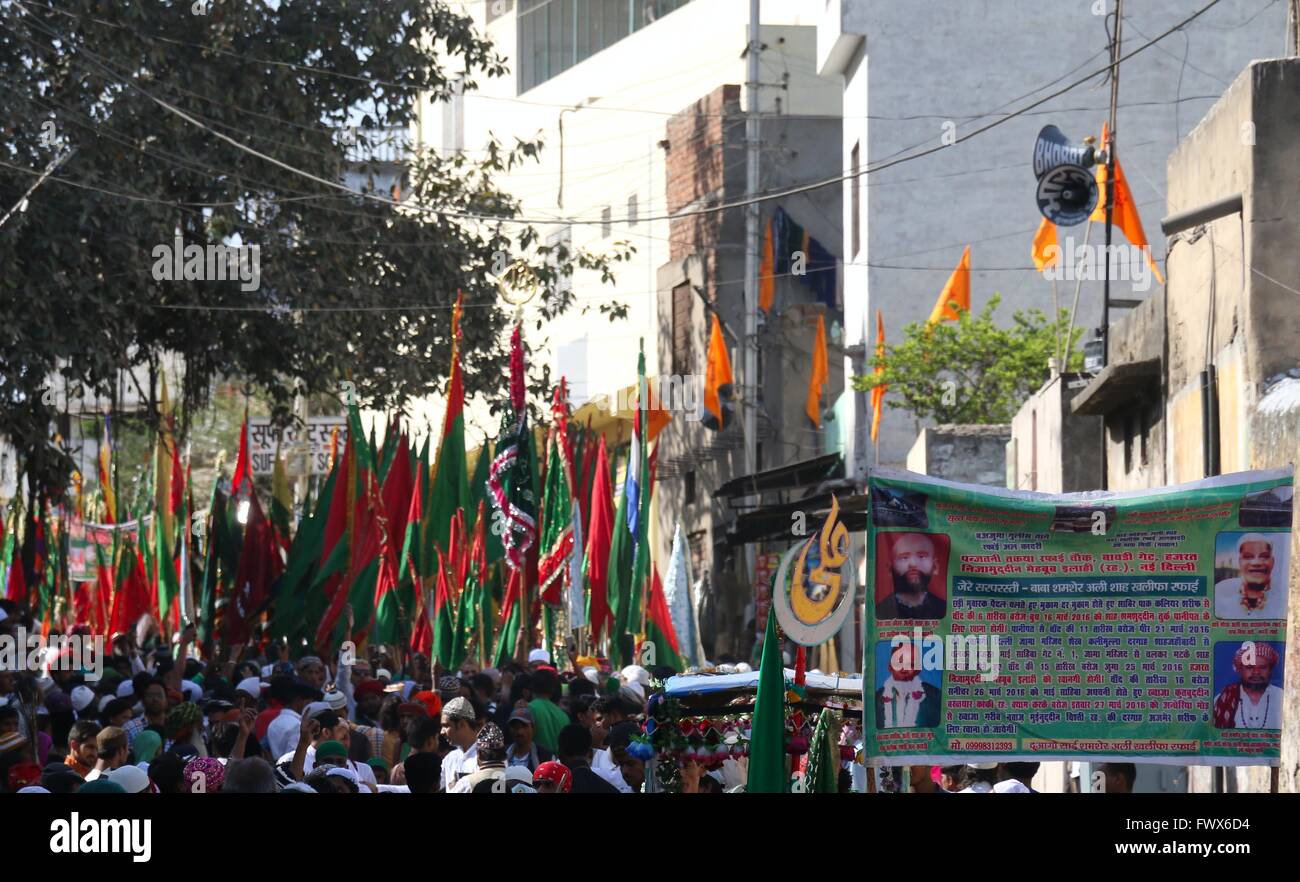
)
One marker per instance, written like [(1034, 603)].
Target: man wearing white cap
[(82, 697), (252, 687), (1252, 595), (538, 658), (132, 779), (981, 777), (460, 726)]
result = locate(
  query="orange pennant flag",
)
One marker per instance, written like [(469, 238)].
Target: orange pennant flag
[(717, 372), (955, 296), (878, 393), (657, 416), (767, 271), (1124, 214), (1045, 250), (820, 374)]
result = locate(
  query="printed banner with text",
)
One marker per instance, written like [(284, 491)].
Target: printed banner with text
[(1148, 626)]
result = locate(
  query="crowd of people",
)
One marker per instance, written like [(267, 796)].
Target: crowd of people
[(261, 722), (1015, 777), (258, 721)]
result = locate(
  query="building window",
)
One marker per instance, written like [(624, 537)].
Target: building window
[(606, 222), (682, 330), (453, 117), (561, 240), (631, 210), (688, 488), (1145, 418), (554, 35), (695, 542), (855, 206), (1130, 432)]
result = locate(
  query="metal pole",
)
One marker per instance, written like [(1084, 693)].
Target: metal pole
[(753, 135), (1110, 181)]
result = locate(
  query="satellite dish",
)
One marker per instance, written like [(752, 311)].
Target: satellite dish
[(1067, 195)]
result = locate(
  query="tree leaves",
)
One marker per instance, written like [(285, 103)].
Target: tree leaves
[(973, 370), (348, 286)]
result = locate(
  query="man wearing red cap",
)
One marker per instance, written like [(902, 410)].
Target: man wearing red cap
[(1253, 702), (553, 777)]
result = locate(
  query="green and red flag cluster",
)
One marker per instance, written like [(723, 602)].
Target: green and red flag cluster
[(527, 551)]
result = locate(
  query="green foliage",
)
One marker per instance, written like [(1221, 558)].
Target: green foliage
[(973, 370), (350, 288)]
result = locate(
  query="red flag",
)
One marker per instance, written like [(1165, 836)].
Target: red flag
[(17, 587), (243, 470), (586, 478), (399, 484), (422, 636), (178, 482), (83, 606), (131, 600), (103, 596), (367, 545), (599, 535), (260, 565)]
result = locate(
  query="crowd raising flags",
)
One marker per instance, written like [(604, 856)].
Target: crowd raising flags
[(462, 560)]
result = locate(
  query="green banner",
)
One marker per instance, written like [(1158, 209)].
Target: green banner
[(1006, 625)]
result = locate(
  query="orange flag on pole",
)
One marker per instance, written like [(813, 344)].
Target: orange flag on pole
[(1124, 214), (717, 372), (820, 374), (878, 393), (955, 297), (1045, 250), (767, 271)]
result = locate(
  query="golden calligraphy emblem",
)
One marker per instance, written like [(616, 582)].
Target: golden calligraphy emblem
[(809, 604)]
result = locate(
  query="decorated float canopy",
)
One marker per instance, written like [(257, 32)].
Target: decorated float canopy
[(735, 692)]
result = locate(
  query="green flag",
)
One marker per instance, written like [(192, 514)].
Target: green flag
[(304, 558), (767, 771), (618, 585), (478, 492), (444, 632), (450, 489)]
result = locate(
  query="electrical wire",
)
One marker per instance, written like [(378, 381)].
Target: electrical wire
[(704, 210)]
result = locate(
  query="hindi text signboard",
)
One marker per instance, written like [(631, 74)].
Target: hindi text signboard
[(1147, 626)]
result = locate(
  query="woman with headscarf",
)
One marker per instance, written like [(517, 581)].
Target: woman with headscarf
[(203, 774)]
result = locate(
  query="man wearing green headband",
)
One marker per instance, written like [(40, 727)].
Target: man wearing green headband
[(322, 746)]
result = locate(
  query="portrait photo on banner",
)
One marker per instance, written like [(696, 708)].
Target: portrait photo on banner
[(907, 695), (1250, 574), (1248, 684), (911, 578)]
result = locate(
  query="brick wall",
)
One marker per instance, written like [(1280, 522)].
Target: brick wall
[(702, 142)]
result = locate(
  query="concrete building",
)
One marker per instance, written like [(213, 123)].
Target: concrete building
[(970, 454), (1052, 449), (1215, 365), (703, 277), (914, 77), (597, 83)]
